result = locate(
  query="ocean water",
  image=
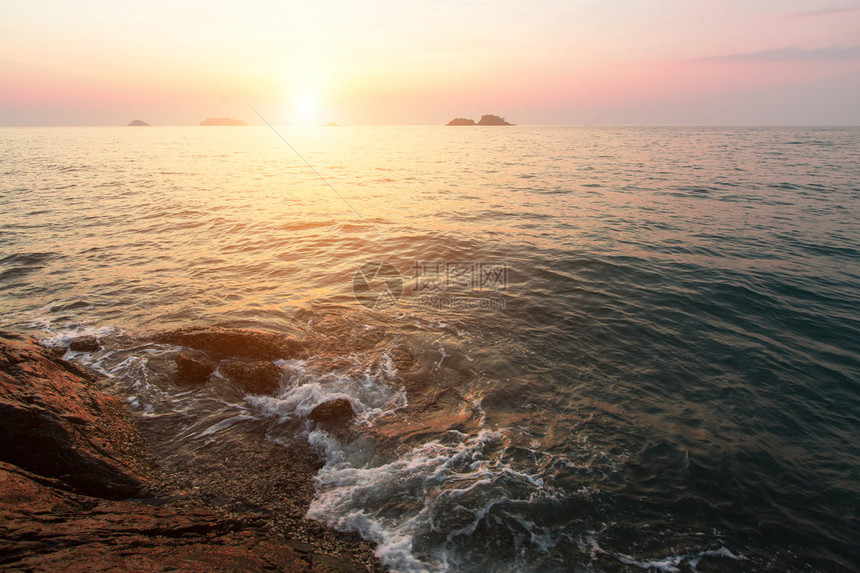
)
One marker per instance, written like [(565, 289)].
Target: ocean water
[(609, 349)]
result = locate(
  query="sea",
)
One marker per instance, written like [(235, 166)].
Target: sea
[(569, 348)]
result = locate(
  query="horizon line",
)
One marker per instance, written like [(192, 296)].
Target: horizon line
[(451, 126)]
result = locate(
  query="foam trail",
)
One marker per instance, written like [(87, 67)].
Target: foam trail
[(419, 506), (371, 393)]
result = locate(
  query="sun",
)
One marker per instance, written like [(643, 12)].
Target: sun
[(305, 108)]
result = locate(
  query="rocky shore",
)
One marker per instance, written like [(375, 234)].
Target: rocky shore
[(84, 486)]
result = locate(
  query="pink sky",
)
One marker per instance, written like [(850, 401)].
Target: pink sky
[(95, 62)]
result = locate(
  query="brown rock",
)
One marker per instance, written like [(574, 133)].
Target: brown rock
[(43, 527), (85, 344), (220, 343), (68, 458), (193, 369), (403, 357), (338, 410), (254, 377), (54, 421)]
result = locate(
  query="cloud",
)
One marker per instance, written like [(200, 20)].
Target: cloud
[(816, 13), (792, 54)]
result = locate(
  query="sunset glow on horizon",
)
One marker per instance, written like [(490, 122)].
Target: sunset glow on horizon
[(547, 62)]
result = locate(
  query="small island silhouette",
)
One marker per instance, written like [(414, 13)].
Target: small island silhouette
[(222, 121), (138, 123), (461, 121), (487, 119)]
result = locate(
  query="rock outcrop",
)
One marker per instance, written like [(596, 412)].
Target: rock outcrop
[(56, 422), (84, 344), (45, 527), (80, 491), (337, 411), (242, 356), (253, 376), (194, 369), (221, 343)]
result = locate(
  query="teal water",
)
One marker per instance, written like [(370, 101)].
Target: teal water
[(640, 345)]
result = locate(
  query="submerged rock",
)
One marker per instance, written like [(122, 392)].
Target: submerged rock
[(85, 344), (334, 411), (403, 357), (193, 369), (254, 377), (249, 355), (438, 412), (221, 343)]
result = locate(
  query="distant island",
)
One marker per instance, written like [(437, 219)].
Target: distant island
[(222, 121), (461, 121), (138, 123), (488, 119)]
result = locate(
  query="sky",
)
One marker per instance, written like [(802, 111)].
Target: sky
[(642, 62)]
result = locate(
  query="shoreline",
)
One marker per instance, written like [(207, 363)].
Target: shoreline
[(83, 478)]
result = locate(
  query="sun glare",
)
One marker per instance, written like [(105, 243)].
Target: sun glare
[(305, 109)]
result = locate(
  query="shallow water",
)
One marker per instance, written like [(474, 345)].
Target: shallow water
[(629, 347)]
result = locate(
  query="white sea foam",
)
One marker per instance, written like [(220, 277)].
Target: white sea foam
[(63, 336), (442, 356), (223, 424), (443, 489), (372, 393), (669, 564)]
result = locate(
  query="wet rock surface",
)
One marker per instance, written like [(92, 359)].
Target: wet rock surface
[(244, 474), (194, 369), (337, 411), (45, 527), (221, 343), (80, 489), (253, 376), (56, 422), (84, 344)]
